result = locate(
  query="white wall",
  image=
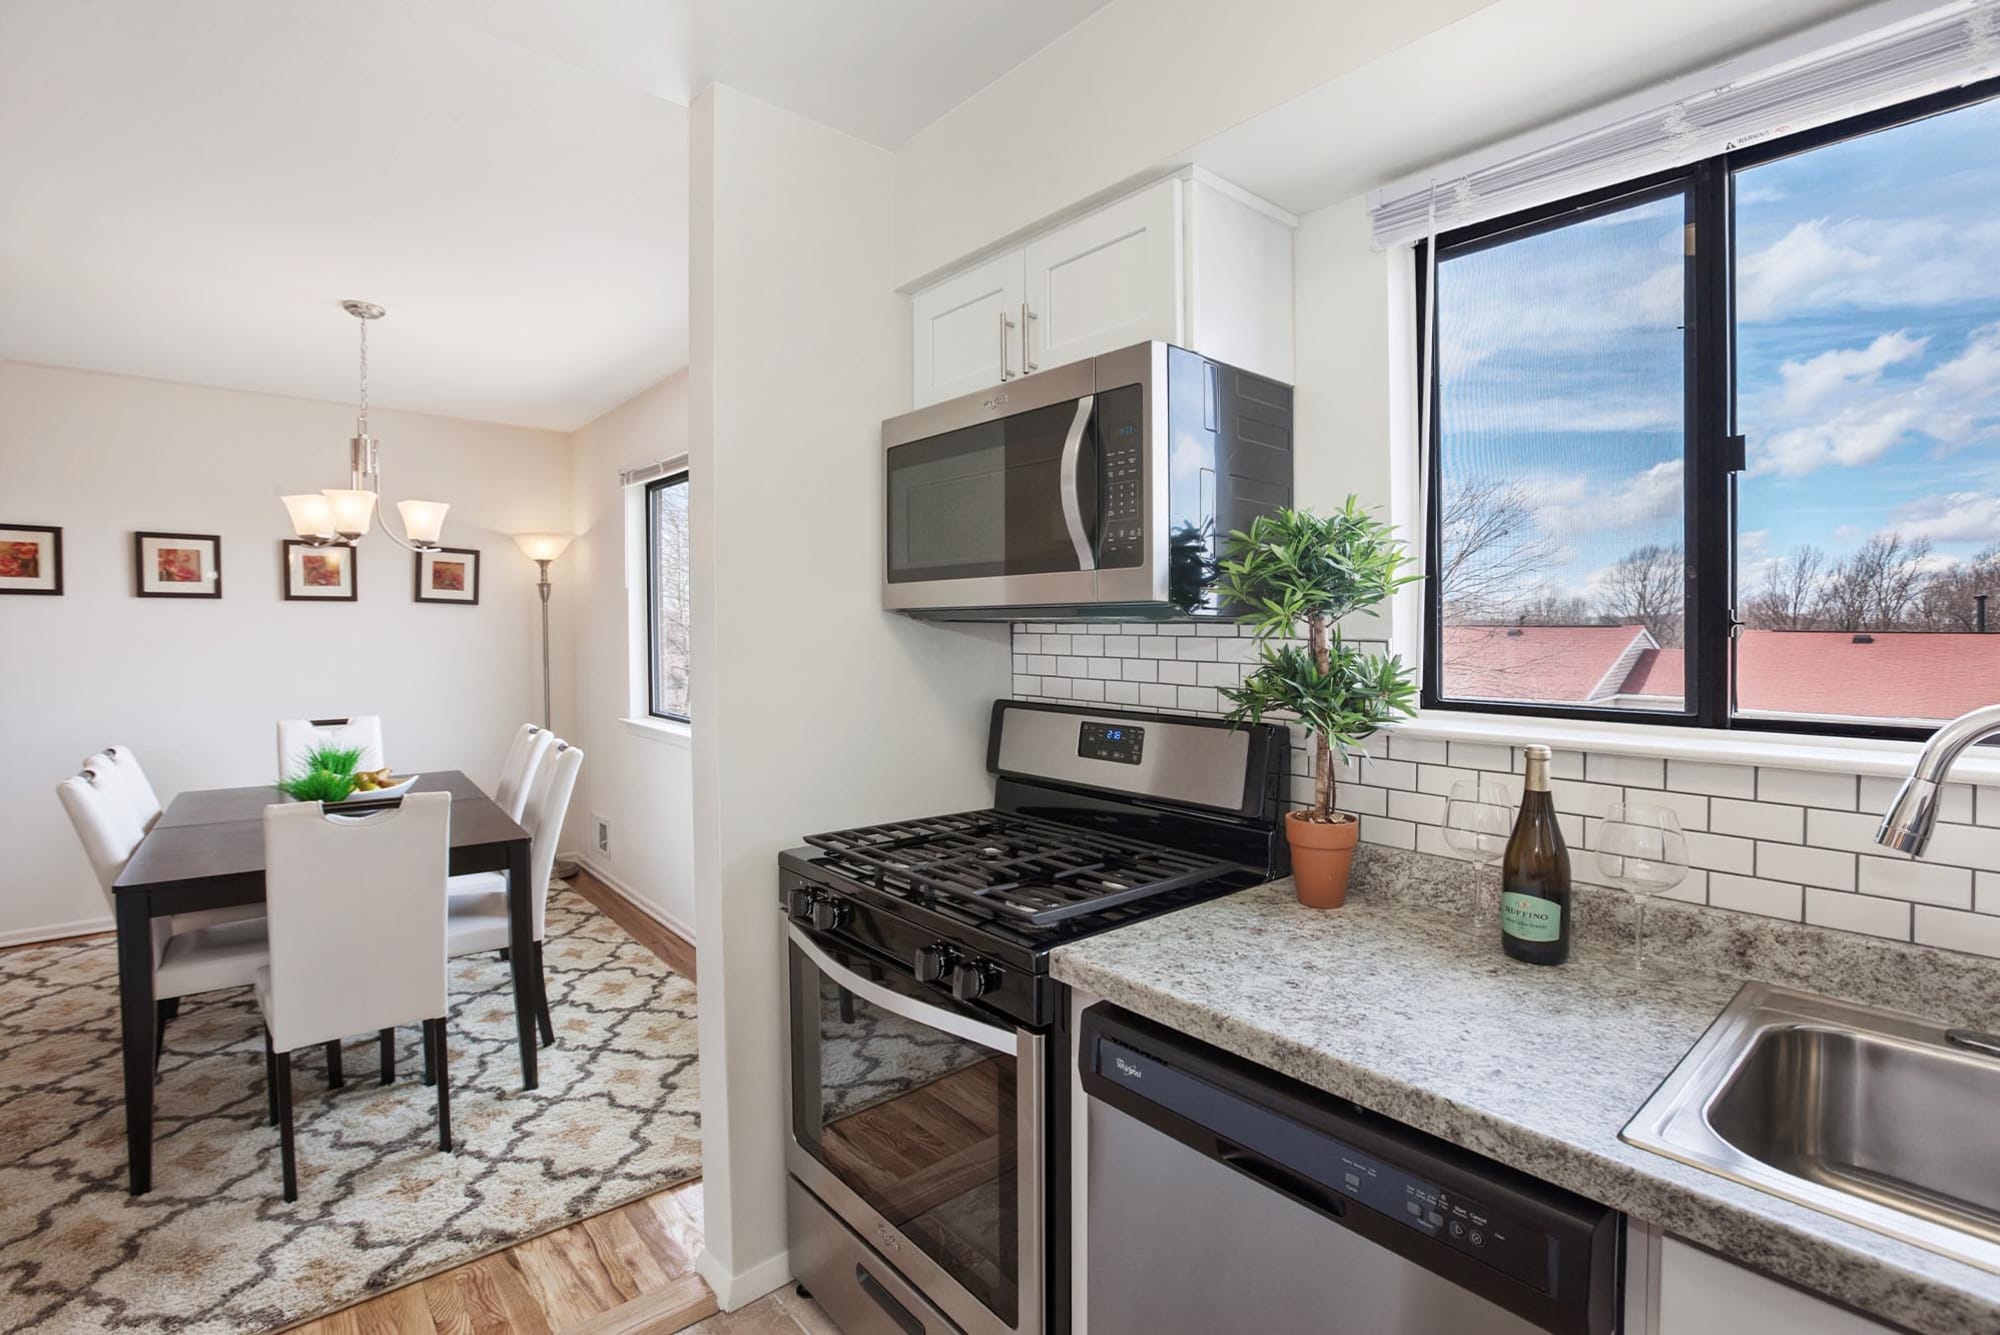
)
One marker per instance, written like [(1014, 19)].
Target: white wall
[(638, 776), (813, 707), (195, 687)]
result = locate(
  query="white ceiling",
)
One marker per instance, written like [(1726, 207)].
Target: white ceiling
[(191, 189)]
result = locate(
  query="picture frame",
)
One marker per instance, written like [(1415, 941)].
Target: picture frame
[(448, 575), (318, 573), (177, 565), (31, 559)]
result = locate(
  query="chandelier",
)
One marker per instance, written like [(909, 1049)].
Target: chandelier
[(343, 515)]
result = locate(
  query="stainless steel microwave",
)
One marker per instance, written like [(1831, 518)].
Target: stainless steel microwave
[(1104, 488)]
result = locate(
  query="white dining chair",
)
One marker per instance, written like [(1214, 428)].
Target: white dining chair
[(478, 920), (298, 737), (129, 777), (357, 913), (517, 772), (202, 957)]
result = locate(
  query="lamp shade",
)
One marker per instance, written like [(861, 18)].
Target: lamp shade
[(423, 521), (312, 515), (542, 546), (352, 511)]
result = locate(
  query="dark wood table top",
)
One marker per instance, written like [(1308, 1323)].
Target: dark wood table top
[(218, 832)]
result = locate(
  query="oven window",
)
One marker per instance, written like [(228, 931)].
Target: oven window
[(918, 1123), (984, 500)]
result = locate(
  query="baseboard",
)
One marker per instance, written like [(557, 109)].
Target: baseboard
[(56, 931), (747, 1286), (685, 931)]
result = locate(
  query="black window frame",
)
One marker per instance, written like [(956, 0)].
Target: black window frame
[(1714, 449), (652, 521)]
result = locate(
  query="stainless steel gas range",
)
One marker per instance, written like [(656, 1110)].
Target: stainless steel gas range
[(930, 1048)]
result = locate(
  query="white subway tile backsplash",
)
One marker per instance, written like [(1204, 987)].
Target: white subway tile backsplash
[(1635, 771), (1748, 894), (1783, 842), (1858, 913), (1977, 932), (1921, 882), (1806, 788), (1757, 820), (1699, 776), (1826, 867)]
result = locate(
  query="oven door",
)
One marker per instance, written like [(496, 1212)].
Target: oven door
[(921, 1124)]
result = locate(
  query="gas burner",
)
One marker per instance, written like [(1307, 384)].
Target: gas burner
[(1018, 869)]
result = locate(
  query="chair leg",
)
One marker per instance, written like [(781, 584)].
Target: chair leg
[(542, 1000), (286, 1152), (388, 1055), (437, 1027), (271, 1077), (430, 1055), (505, 955), (335, 1076), (846, 1006)]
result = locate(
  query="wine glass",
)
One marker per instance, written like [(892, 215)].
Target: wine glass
[(1478, 819), (1640, 848)]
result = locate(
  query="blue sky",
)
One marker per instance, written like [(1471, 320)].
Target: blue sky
[(1868, 357)]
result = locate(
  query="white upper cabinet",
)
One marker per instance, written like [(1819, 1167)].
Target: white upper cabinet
[(1108, 280), (967, 333), (1188, 260)]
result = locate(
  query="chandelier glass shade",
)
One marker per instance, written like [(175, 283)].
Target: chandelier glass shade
[(345, 514)]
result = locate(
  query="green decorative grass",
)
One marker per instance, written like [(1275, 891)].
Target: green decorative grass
[(325, 775)]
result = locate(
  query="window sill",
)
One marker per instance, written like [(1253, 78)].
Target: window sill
[(664, 731), (1840, 755)]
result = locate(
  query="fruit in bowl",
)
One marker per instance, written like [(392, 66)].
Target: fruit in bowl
[(369, 780)]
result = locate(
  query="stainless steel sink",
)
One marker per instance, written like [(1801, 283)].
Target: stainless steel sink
[(1866, 1114)]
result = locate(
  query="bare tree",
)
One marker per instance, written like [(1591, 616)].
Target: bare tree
[(1550, 608), (1949, 599), (1646, 587), (1791, 595), (1494, 552), (1877, 585)]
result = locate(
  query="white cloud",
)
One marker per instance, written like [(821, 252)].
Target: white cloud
[(1805, 262), (1872, 263), (1959, 516), (1809, 382), (1578, 505)]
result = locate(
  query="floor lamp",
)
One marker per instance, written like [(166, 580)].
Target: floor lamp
[(542, 548)]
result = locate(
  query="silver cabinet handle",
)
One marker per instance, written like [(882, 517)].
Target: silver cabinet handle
[(1006, 325), (1072, 507), (1028, 318)]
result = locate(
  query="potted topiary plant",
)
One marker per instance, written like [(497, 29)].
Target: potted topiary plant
[(1296, 569)]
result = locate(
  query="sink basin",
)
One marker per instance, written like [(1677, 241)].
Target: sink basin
[(1862, 1113)]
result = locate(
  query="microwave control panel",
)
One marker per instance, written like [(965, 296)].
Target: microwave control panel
[(1121, 437)]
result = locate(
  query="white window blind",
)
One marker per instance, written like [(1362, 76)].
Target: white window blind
[(1875, 57), (647, 472)]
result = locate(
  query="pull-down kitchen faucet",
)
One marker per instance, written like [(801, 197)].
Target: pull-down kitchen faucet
[(1907, 827)]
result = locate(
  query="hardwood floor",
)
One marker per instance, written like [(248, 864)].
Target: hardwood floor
[(626, 1271)]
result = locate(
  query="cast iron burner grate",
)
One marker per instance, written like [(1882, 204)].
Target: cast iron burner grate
[(1020, 868)]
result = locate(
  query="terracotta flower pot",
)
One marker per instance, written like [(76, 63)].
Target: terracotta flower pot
[(1322, 853)]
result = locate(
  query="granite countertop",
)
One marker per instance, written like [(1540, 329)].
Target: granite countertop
[(1414, 1012)]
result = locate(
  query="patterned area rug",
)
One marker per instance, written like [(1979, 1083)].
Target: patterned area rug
[(214, 1248)]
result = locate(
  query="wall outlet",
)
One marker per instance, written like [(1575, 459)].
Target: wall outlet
[(602, 836)]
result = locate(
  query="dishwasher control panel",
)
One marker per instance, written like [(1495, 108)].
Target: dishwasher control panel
[(1455, 1219)]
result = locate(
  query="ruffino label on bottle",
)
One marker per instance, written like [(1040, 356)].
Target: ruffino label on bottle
[(1530, 917)]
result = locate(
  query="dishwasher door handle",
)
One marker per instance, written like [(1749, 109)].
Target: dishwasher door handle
[(1282, 1180)]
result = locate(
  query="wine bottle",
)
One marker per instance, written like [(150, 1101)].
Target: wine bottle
[(1534, 874)]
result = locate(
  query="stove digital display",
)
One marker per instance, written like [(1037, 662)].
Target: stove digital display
[(1120, 743)]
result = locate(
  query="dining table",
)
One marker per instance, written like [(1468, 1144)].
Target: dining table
[(207, 851)]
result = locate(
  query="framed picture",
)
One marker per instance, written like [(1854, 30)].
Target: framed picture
[(177, 565), (448, 575), (319, 574), (30, 558)]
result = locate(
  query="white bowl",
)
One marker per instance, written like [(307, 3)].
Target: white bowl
[(378, 794)]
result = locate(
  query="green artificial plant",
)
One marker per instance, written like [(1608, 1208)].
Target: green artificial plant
[(1295, 568), (324, 774)]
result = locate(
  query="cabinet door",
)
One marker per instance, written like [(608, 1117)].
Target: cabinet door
[(1702, 1294), (967, 333), (1110, 279)]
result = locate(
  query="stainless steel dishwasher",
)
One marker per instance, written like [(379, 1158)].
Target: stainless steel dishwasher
[(1224, 1197)]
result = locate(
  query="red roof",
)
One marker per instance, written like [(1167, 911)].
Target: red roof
[(1541, 663), (1899, 674), (1658, 672)]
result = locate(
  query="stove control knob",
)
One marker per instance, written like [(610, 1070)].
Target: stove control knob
[(971, 980), (798, 903), (828, 913), (933, 962)]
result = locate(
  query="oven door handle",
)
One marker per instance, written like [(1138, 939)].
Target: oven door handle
[(935, 1017), (1072, 505)]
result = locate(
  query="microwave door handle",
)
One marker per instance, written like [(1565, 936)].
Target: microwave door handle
[(952, 1022), (1072, 507)]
